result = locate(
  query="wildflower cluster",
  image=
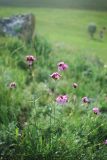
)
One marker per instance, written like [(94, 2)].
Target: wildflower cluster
[(60, 99), (63, 99)]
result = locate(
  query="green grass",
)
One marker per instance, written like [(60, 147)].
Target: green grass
[(67, 28), (32, 125)]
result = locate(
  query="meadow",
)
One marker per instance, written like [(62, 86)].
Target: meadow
[(34, 124), (67, 28)]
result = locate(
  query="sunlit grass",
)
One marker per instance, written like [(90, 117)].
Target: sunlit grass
[(68, 27)]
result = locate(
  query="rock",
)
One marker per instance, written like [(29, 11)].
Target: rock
[(22, 26)]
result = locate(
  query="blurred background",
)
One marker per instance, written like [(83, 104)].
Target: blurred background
[(80, 4)]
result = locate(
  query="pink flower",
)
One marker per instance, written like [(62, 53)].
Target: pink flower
[(96, 110), (75, 85), (105, 142), (30, 59), (55, 75), (62, 66), (12, 85), (85, 100), (62, 99)]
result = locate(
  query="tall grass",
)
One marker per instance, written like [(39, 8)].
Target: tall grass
[(32, 125)]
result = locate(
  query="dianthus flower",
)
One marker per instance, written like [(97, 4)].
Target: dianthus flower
[(55, 75), (62, 99), (30, 59), (62, 66)]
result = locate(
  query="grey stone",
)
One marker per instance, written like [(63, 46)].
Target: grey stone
[(22, 26)]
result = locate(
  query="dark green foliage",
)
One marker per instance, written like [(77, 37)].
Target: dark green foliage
[(32, 125), (42, 47), (92, 29)]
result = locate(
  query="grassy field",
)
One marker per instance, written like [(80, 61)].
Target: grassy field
[(33, 125), (68, 28)]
